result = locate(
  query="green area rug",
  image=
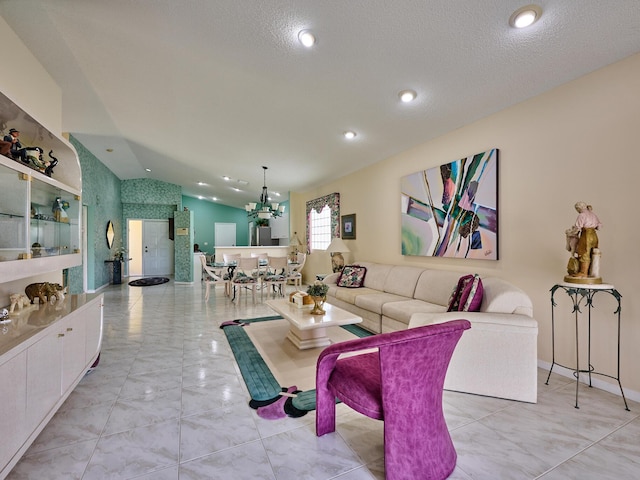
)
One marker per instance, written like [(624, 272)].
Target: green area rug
[(268, 396)]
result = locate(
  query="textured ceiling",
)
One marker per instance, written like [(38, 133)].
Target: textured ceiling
[(197, 89)]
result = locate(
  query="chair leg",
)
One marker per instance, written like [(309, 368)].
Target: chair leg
[(325, 412), (207, 290)]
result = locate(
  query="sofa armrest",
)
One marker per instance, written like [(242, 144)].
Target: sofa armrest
[(478, 318)]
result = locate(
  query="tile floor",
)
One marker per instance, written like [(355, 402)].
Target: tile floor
[(167, 402)]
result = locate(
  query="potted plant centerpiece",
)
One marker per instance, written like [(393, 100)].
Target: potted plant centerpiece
[(318, 292)]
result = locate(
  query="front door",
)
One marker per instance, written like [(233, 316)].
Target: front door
[(157, 248)]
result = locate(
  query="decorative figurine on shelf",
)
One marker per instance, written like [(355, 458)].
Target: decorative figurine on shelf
[(17, 152), (34, 155), (36, 250), (45, 292), (48, 171), (582, 243), (59, 209), (19, 300)]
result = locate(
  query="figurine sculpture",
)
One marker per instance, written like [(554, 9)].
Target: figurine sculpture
[(19, 300), (582, 243), (45, 292), (16, 151), (48, 171)]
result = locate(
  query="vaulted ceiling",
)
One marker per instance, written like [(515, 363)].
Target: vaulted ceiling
[(195, 90)]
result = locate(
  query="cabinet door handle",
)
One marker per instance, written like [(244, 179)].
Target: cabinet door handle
[(69, 329), (60, 335)]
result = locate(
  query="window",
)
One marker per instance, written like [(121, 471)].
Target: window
[(320, 228), (323, 221)]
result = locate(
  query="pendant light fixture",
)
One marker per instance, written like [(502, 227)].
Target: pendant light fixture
[(264, 208)]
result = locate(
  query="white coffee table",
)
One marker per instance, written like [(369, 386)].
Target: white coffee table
[(310, 331)]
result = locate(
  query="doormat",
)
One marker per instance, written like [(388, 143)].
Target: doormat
[(149, 281), (268, 397)]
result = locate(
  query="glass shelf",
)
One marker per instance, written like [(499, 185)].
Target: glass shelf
[(38, 218)]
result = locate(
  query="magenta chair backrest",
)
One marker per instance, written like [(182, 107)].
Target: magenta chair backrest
[(409, 379)]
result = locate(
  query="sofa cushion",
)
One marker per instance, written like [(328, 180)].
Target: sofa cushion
[(467, 295), (352, 276), (349, 294), (434, 286), (376, 275), (402, 280), (402, 311), (375, 301)]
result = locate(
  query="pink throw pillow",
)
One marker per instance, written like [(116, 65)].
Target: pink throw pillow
[(467, 294)]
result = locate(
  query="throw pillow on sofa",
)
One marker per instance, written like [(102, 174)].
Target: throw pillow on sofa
[(467, 295), (352, 276)]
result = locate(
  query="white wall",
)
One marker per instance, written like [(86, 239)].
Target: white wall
[(580, 141), (27, 83)]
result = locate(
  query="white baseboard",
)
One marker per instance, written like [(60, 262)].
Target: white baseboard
[(595, 381)]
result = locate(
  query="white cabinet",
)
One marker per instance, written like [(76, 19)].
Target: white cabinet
[(44, 372), (13, 398), (280, 226), (39, 372)]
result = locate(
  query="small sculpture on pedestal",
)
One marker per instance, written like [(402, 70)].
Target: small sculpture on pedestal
[(582, 243)]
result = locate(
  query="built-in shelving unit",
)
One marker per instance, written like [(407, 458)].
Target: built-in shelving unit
[(39, 215), (45, 349)]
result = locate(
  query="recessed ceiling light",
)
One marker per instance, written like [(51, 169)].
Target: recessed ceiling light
[(243, 182), (525, 16), (148, 169), (202, 184), (407, 96), (236, 189), (225, 178), (307, 38), (277, 194), (349, 135)]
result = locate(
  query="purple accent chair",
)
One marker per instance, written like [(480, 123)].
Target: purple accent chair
[(402, 384)]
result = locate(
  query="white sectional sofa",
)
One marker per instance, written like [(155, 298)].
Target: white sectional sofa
[(497, 357)]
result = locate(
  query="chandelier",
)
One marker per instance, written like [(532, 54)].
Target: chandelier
[(265, 208)]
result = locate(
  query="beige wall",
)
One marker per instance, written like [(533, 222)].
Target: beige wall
[(580, 141)]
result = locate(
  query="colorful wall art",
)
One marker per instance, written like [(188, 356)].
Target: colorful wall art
[(452, 210)]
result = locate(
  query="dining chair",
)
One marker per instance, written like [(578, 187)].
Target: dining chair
[(400, 383), (211, 277), (263, 262), (275, 277), (295, 270), (245, 277)]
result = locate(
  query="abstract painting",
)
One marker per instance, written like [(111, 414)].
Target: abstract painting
[(452, 210)]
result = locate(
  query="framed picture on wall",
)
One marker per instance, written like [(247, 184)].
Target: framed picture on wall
[(348, 226), (452, 210)]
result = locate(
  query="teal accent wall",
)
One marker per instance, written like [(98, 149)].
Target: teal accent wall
[(206, 214), (148, 199), (101, 194), (152, 192), (184, 247)]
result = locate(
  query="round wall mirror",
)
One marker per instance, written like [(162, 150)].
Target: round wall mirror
[(111, 234)]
